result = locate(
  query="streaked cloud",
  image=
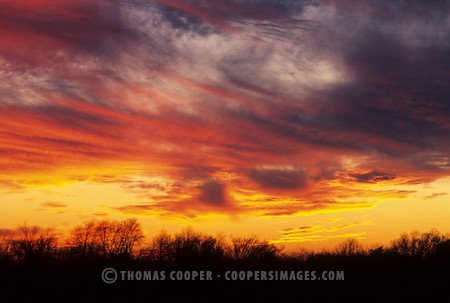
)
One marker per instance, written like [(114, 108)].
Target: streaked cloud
[(435, 195), (57, 207), (317, 233), (54, 204)]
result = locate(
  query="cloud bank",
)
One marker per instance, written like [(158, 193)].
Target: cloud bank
[(295, 100)]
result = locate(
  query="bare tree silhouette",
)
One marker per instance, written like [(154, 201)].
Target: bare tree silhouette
[(6, 237), (350, 247), (162, 248), (33, 244), (83, 240), (252, 249), (192, 247), (107, 238), (418, 245)]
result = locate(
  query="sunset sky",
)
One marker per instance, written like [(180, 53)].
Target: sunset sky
[(303, 122)]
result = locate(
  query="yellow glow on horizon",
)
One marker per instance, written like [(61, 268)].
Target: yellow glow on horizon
[(62, 201)]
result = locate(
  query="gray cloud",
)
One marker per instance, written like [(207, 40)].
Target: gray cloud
[(213, 193), (371, 177), (279, 178)]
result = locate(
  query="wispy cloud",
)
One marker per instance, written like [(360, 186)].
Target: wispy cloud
[(435, 195), (318, 233), (54, 204)]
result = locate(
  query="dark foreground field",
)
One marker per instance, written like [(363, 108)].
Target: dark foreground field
[(363, 283)]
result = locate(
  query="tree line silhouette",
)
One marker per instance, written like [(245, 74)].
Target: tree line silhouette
[(112, 240)]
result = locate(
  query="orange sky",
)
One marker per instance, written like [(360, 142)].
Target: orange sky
[(279, 119)]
